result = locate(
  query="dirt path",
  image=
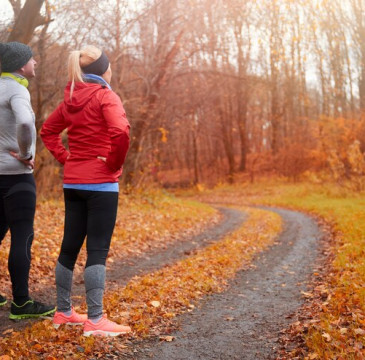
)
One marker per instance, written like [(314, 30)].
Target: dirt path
[(122, 271), (244, 322)]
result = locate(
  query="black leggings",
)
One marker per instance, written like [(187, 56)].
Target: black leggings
[(17, 209), (91, 214)]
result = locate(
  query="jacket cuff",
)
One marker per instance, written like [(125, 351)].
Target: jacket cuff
[(62, 159), (27, 156), (112, 166)]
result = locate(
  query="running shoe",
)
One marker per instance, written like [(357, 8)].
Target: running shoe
[(105, 327), (3, 300), (74, 319), (31, 309)]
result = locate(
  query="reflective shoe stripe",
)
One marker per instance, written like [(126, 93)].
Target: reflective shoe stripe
[(28, 316), (3, 302)]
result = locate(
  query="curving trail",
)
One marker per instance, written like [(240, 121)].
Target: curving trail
[(244, 322)]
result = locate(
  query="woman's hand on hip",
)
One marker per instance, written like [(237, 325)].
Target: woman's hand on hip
[(102, 158)]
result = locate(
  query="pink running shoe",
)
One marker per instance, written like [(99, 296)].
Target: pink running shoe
[(74, 319), (105, 327)]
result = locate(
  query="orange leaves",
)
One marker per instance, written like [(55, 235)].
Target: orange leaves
[(164, 133)]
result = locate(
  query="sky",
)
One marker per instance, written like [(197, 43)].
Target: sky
[(5, 10)]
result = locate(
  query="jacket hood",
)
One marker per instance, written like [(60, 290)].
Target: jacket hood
[(82, 94)]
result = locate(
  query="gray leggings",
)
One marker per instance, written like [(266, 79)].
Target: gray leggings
[(89, 214)]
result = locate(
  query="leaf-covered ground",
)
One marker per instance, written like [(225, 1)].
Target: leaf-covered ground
[(145, 220), (151, 302)]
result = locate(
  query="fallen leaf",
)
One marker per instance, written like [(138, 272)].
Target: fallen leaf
[(169, 315), (359, 331), (327, 336), (307, 294), (155, 303), (167, 338)]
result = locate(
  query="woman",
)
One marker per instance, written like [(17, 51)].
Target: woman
[(98, 140)]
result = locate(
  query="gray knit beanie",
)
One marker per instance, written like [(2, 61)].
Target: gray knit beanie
[(14, 55)]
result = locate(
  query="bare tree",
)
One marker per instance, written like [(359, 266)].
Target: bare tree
[(27, 19)]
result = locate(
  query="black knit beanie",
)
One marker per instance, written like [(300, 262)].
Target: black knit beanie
[(14, 55)]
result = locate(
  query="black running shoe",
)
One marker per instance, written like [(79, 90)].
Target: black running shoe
[(3, 300), (31, 309)]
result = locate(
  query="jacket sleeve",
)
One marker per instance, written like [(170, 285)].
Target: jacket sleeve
[(51, 135), (118, 129), (25, 129)]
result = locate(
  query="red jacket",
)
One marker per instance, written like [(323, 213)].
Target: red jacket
[(96, 125)]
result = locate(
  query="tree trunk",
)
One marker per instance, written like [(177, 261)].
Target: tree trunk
[(228, 145), (28, 20), (242, 96), (195, 158), (275, 48)]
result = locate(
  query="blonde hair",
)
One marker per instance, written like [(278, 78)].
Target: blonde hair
[(78, 59)]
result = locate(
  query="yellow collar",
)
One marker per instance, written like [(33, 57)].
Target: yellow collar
[(20, 80)]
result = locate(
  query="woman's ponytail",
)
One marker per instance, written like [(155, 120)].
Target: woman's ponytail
[(74, 69), (77, 59)]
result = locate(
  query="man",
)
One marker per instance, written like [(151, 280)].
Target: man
[(17, 186)]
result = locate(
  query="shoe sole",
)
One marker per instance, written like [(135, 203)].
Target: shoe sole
[(104, 333), (3, 303), (31, 316), (56, 326)]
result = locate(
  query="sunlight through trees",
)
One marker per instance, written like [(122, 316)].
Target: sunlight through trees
[(236, 86)]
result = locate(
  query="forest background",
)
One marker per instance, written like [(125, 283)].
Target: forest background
[(213, 89)]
